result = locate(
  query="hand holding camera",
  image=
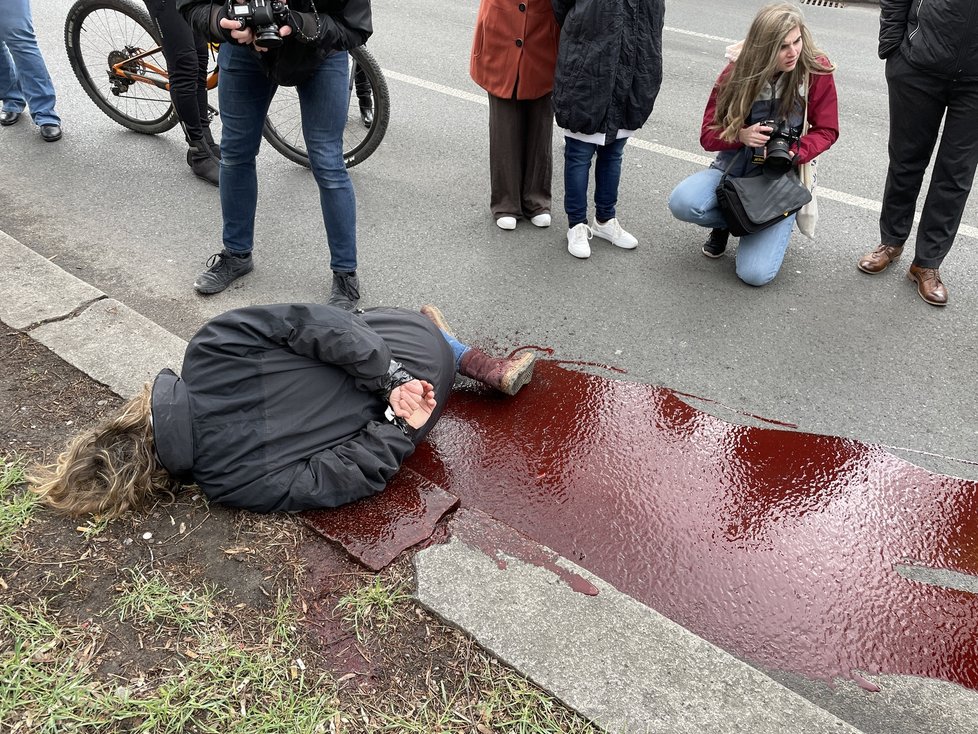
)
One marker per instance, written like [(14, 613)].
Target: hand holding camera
[(263, 23), (778, 157)]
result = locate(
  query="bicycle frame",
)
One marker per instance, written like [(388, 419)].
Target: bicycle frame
[(157, 77)]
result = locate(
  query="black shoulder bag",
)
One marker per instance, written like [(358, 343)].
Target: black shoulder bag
[(758, 200)]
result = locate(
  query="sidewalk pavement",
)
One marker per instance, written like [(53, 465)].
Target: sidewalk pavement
[(617, 662)]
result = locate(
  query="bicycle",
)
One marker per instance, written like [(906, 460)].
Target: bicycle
[(115, 50)]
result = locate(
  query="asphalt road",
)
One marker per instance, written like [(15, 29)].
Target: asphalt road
[(823, 347)]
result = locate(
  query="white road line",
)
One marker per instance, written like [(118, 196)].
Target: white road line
[(851, 199)]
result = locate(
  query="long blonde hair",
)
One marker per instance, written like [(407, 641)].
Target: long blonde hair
[(108, 469), (757, 64)]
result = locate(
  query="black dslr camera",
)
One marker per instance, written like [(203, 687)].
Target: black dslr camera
[(778, 160), (263, 16)]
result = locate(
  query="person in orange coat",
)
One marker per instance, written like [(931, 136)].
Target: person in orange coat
[(514, 53)]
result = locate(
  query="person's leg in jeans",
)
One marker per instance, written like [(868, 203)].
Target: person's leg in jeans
[(244, 95), (607, 176), (694, 200), (323, 101), (577, 175), (10, 94), (35, 85), (759, 255)]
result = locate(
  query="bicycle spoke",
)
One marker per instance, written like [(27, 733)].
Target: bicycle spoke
[(111, 33)]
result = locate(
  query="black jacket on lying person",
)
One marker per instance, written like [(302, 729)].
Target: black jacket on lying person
[(319, 27), (282, 408)]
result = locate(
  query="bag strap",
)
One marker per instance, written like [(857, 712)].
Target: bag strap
[(808, 82), (733, 159)]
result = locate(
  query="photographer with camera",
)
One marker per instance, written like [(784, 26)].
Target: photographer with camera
[(303, 44), (754, 118)]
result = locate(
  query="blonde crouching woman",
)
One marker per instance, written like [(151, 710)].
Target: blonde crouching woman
[(768, 77)]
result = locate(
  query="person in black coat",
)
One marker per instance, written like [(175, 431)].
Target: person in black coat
[(283, 407), (609, 70), (931, 52)]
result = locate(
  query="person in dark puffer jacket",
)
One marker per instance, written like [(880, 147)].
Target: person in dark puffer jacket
[(285, 407), (931, 53), (609, 70)]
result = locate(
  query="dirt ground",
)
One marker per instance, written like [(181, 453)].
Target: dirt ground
[(77, 566)]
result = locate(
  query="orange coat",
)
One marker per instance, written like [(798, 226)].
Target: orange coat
[(515, 39)]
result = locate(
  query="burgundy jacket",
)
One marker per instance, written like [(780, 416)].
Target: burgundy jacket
[(823, 119)]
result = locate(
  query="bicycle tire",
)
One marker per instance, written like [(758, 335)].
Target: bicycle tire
[(283, 126), (99, 33)]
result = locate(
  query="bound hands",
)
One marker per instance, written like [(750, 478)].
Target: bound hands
[(413, 402), (246, 36)]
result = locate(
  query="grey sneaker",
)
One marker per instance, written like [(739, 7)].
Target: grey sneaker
[(345, 292), (222, 270)]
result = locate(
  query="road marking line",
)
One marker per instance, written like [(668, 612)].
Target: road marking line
[(822, 192)]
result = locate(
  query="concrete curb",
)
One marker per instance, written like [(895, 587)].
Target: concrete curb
[(103, 338)]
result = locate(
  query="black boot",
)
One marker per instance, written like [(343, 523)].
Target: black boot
[(717, 243), (203, 163), (211, 143)]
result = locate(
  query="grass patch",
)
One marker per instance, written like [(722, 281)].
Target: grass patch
[(44, 668), (16, 506), (151, 600), (372, 606)]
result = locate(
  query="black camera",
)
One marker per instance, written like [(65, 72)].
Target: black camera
[(778, 158), (262, 16)]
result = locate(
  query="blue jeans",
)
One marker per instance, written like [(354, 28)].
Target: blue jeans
[(244, 95), (24, 78), (577, 173), (759, 255)]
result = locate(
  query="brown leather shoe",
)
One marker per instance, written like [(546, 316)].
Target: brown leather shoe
[(877, 260), (929, 285)]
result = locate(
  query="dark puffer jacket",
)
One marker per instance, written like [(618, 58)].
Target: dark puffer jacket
[(609, 64), (278, 407), (936, 36)]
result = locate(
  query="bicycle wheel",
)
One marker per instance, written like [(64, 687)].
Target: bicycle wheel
[(114, 50), (283, 126)]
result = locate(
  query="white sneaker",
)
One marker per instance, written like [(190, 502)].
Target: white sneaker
[(506, 222), (541, 220), (577, 241), (612, 231)]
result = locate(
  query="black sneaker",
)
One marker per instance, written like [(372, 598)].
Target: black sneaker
[(222, 270), (717, 244), (345, 292)]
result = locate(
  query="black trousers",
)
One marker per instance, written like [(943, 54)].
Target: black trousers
[(918, 102), (186, 60), (520, 156)]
